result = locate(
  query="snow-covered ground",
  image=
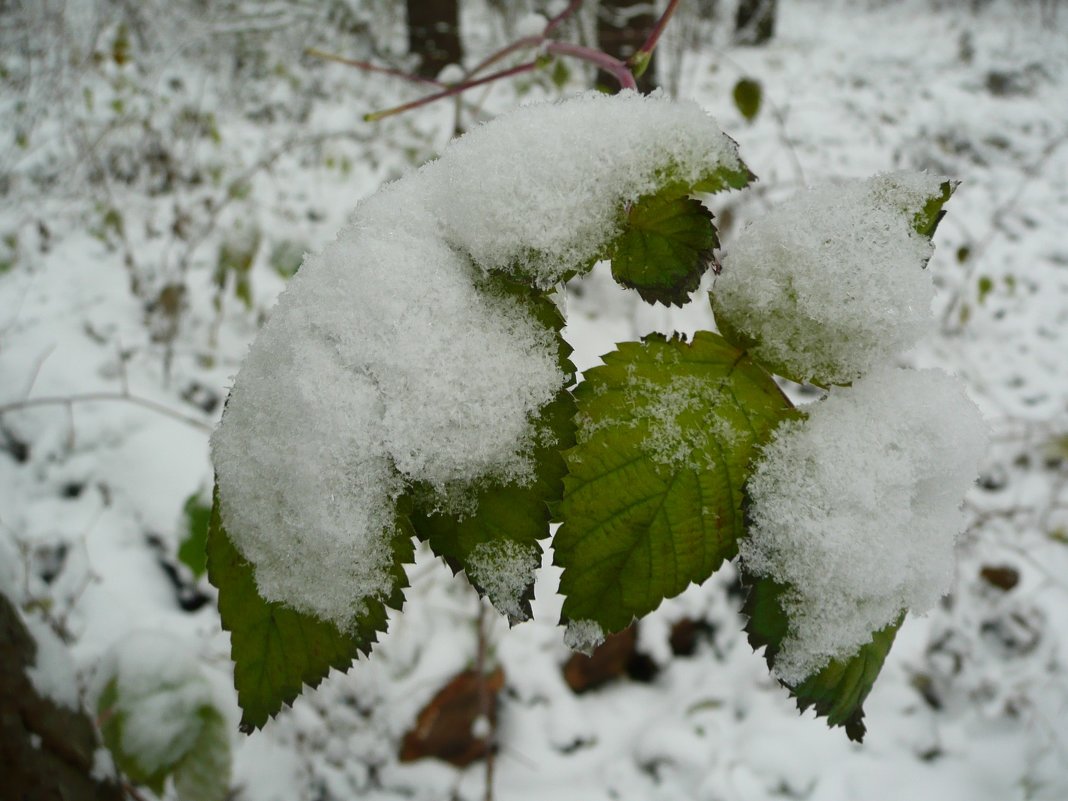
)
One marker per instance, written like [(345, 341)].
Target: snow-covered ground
[(128, 303)]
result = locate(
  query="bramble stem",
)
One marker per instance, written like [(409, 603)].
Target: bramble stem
[(639, 61), (451, 91), (608, 63), (367, 66)]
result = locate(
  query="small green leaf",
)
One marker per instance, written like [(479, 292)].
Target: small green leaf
[(666, 248), (986, 286), (511, 513), (653, 497), (193, 551), (204, 774), (838, 691), (277, 650), (926, 220), (748, 95)]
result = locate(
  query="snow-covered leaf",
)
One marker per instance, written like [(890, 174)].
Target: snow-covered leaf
[(838, 690), (497, 543), (652, 501), (158, 718), (927, 219), (666, 248), (276, 650)]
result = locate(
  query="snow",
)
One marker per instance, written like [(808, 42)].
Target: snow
[(583, 635), (857, 507), (831, 283), (504, 569), (549, 212), (52, 673)]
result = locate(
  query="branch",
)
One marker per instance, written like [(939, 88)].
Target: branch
[(451, 91), (638, 63), (367, 66), (90, 397), (618, 70)]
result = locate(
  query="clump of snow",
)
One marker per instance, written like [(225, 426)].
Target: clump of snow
[(504, 569), (52, 673), (857, 507), (103, 768), (831, 282), (159, 691), (391, 360), (583, 635), (541, 191)]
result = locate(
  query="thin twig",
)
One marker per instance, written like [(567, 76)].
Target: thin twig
[(639, 61), (452, 90), (560, 18), (485, 702), (92, 397), (367, 66)]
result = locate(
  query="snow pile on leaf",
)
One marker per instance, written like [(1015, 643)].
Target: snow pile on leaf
[(541, 192), (831, 283), (505, 569), (856, 509), (401, 357)]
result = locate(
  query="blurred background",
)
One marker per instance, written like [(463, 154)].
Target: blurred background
[(165, 166)]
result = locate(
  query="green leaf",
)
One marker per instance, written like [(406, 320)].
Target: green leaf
[(192, 552), (926, 220), (653, 498), (838, 691), (748, 96), (197, 753), (275, 649), (986, 286), (508, 513), (112, 725), (204, 774), (665, 249)]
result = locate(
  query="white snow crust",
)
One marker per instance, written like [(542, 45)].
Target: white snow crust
[(831, 282), (504, 569), (540, 191), (387, 362), (583, 635), (857, 509)]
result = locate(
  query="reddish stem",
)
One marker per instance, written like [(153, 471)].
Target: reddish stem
[(608, 63), (642, 55), (369, 67), (451, 91)]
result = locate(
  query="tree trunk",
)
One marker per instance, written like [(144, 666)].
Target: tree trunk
[(434, 34), (622, 28)]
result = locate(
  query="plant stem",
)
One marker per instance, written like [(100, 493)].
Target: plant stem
[(88, 397), (452, 90), (369, 67), (609, 64), (639, 61)]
